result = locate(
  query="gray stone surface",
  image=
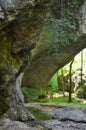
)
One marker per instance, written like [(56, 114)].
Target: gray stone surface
[(66, 125), (71, 113), (68, 118), (16, 125), (64, 117)]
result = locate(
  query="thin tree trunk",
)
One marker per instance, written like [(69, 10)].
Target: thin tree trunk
[(57, 80), (70, 79), (81, 67), (62, 82)]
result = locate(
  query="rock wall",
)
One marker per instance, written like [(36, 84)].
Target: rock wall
[(20, 26)]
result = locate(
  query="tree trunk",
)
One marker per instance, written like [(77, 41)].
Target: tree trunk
[(62, 73), (70, 81), (81, 67)]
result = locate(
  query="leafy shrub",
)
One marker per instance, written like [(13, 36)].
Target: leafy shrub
[(53, 84), (32, 94), (62, 30), (80, 93), (84, 89), (25, 93)]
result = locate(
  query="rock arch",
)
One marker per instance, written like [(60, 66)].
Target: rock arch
[(45, 61)]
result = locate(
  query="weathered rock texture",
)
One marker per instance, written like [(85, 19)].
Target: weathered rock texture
[(20, 25), (16, 125), (64, 117), (45, 60)]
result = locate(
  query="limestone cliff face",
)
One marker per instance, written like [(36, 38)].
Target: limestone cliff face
[(20, 26), (45, 60)]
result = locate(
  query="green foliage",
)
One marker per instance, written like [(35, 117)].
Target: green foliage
[(25, 93), (74, 2), (53, 84), (81, 92), (59, 31), (65, 70), (60, 99), (32, 94), (56, 98), (64, 100)]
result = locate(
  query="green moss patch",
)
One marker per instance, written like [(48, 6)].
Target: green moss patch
[(39, 115)]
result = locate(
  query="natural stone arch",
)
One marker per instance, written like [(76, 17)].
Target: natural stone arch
[(45, 62), (20, 25)]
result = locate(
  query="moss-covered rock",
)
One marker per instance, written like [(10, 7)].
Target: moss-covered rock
[(20, 26)]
